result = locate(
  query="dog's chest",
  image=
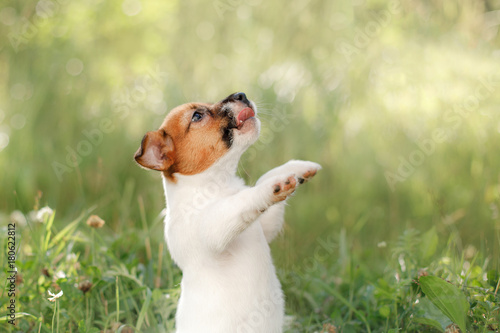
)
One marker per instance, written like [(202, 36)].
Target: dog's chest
[(181, 242), (186, 213)]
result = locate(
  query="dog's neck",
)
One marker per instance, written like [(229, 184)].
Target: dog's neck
[(218, 176)]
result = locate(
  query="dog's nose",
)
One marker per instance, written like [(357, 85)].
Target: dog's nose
[(240, 97)]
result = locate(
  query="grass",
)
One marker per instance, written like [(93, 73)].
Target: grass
[(126, 286), (403, 118)]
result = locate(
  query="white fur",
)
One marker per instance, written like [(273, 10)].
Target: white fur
[(217, 230)]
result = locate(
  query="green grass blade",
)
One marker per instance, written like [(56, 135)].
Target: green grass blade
[(50, 221), (341, 298), (48, 232), (19, 315), (67, 230), (117, 301), (144, 310)]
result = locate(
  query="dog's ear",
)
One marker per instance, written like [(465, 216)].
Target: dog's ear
[(156, 151)]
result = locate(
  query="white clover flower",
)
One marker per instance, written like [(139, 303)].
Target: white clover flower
[(42, 214), (18, 217), (59, 275), (55, 296)]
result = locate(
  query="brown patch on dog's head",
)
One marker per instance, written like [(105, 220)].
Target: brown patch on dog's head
[(193, 136)]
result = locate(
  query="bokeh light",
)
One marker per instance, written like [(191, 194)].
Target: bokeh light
[(74, 67), (4, 140), (131, 7), (18, 121)]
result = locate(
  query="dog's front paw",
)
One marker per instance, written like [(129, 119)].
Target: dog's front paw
[(304, 170), (307, 175), (282, 187)]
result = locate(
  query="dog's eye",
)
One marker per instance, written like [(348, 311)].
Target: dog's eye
[(196, 117)]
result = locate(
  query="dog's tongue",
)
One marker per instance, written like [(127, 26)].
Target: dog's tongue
[(245, 114)]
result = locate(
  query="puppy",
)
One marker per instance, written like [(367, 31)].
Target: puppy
[(217, 229)]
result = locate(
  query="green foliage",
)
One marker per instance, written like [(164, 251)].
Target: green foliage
[(90, 285), (365, 88), (129, 286), (447, 298), (408, 296)]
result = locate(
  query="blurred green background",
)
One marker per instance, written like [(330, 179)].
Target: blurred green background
[(399, 102)]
